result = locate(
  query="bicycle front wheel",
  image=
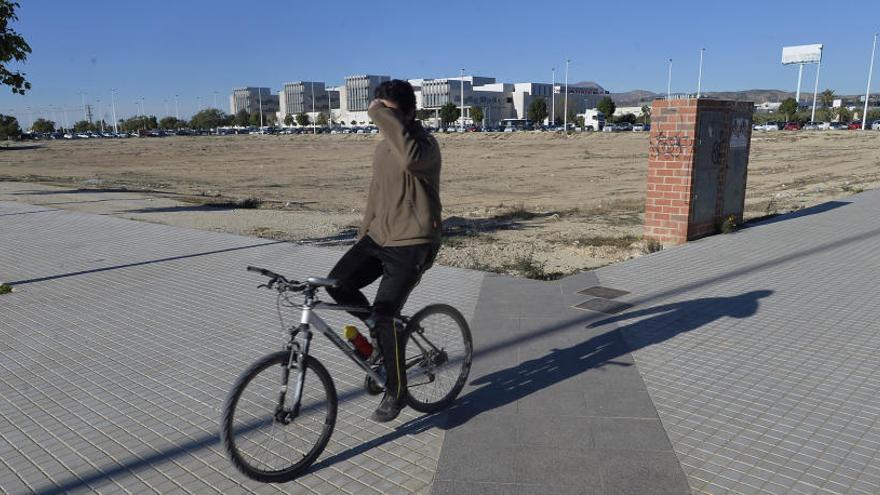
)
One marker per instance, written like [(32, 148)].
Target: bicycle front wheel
[(274, 445), (438, 357)]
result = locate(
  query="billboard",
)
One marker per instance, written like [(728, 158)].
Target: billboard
[(802, 54)]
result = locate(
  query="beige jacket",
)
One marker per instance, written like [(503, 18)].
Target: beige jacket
[(403, 205)]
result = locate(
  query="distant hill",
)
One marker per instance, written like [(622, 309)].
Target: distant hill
[(639, 97)]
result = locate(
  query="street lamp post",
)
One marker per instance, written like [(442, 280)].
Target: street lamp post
[(314, 117), (868, 90), (176, 107), (700, 76), (669, 82), (462, 99), (565, 104), (113, 103), (85, 114), (553, 97), (100, 114), (260, 96)]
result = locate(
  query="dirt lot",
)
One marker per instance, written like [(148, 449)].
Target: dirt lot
[(531, 204)]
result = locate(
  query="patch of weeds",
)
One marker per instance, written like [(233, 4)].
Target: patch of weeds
[(5, 289), (652, 246), (623, 242), (529, 267), (727, 224), (852, 189), (249, 203)]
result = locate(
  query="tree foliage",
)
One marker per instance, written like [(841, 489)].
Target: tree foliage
[(423, 114), (477, 116), (827, 97), (12, 47), (302, 119), (9, 128), (449, 113), (82, 126), (607, 106), (646, 114), (43, 126), (170, 123), (254, 118), (788, 108), (844, 114), (322, 119), (242, 119), (537, 110), (209, 118), (289, 120)]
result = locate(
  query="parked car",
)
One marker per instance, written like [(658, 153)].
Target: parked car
[(838, 126), (792, 126), (609, 128), (876, 125), (817, 126), (855, 125), (624, 126), (638, 127)]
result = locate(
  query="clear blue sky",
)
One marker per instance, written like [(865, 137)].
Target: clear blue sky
[(156, 49)]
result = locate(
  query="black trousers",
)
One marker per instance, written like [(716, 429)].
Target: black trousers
[(401, 269)]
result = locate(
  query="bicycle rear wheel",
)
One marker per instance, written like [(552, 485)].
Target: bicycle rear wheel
[(438, 357), (264, 446)]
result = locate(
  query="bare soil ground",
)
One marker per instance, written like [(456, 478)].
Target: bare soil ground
[(529, 204)]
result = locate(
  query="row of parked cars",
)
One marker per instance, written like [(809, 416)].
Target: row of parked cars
[(815, 126)]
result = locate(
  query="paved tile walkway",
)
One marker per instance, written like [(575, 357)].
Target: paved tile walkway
[(123, 337), (747, 363)]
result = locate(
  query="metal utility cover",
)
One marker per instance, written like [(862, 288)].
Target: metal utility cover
[(603, 292), (603, 306)]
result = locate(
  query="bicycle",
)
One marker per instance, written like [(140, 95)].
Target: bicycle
[(259, 406)]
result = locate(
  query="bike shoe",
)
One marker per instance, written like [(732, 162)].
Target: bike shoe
[(388, 409)]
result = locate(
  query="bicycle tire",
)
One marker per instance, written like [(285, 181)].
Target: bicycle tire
[(232, 437), (426, 324)]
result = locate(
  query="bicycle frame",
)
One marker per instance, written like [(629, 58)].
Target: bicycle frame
[(308, 320)]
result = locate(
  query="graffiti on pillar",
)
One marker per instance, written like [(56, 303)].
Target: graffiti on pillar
[(668, 146), (716, 148), (739, 133)]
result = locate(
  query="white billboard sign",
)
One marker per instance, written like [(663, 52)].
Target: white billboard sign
[(802, 54)]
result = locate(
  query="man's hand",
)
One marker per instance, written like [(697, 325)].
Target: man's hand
[(381, 102), (376, 103)]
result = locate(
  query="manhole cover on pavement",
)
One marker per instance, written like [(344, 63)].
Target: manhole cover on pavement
[(603, 306), (603, 292)]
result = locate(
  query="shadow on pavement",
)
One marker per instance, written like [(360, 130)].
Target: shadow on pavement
[(813, 210), (129, 265)]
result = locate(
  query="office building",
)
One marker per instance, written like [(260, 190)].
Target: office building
[(252, 100)]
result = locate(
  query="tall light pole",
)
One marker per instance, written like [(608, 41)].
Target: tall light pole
[(113, 103), (215, 99), (314, 129), (83, 95), (100, 114), (462, 99), (816, 87), (669, 82), (176, 107), (700, 76), (565, 105), (797, 95), (553, 97), (868, 91), (260, 96)]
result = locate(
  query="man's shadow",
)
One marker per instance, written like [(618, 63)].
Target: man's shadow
[(506, 386)]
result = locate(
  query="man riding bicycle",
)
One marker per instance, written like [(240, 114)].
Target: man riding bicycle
[(400, 234)]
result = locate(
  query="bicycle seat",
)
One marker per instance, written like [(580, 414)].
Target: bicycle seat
[(322, 282)]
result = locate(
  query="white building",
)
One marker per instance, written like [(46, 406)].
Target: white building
[(359, 92)]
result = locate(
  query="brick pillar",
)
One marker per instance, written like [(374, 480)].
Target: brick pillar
[(697, 167), (670, 162)]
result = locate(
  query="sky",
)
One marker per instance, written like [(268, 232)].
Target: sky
[(200, 50)]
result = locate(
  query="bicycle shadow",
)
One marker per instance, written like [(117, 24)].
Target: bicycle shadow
[(504, 387)]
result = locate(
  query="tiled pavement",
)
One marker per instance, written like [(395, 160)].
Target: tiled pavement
[(753, 366)]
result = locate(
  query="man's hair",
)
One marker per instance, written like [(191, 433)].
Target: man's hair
[(400, 92)]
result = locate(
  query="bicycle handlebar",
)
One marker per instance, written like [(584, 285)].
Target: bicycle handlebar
[(277, 281)]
